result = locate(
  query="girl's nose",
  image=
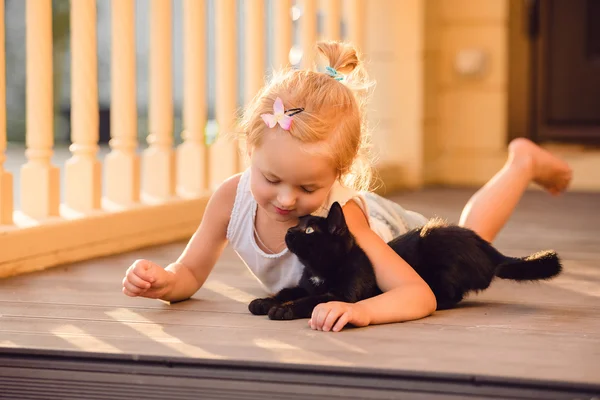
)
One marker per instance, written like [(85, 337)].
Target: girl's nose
[(286, 199)]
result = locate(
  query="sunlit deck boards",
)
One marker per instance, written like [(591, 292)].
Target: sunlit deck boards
[(546, 331)]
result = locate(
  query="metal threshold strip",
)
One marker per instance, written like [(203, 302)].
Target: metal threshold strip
[(51, 374)]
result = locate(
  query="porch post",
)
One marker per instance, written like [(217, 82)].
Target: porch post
[(355, 23), (308, 32), (192, 153), (255, 43), (282, 25), (224, 156), (122, 163), (83, 170), (333, 15), (394, 51), (6, 184), (158, 160), (40, 192)]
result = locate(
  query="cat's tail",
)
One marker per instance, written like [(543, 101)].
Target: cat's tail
[(542, 265)]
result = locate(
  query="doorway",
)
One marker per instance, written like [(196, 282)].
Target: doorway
[(554, 70)]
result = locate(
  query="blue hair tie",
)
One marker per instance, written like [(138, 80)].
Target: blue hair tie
[(333, 73)]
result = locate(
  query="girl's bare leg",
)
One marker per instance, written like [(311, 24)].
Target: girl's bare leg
[(489, 208)]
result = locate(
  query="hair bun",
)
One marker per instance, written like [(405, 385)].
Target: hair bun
[(343, 57)]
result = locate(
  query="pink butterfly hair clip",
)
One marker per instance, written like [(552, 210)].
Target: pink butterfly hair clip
[(280, 115)]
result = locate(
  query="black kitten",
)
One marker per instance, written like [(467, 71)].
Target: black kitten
[(452, 260)]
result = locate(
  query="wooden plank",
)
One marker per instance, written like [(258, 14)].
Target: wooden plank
[(548, 330), (508, 352)]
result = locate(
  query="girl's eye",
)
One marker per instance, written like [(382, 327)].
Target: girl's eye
[(307, 190), (270, 181), (309, 230)]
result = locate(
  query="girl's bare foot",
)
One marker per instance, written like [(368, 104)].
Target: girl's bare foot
[(547, 170)]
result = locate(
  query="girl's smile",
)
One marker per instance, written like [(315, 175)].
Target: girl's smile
[(282, 211)]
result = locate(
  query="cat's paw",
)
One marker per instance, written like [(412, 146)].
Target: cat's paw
[(281, 313), (262, 306)]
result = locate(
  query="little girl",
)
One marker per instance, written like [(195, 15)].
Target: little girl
[(306, 143)]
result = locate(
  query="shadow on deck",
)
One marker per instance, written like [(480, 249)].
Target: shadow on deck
[(69, 332)]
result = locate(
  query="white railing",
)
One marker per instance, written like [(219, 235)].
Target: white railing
[(159, 196)]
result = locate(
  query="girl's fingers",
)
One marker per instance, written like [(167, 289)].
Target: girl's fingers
[(135, 280), (321, 317), (128, 293), (314, 319), (132, 288), (143, 269), (332, 316), (341, 322), (330, 320)]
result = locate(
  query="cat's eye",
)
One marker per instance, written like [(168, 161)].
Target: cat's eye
[(309, 230)]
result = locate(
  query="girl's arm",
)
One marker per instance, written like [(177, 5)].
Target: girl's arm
[(194, 265), (181, 279), (406, 295)]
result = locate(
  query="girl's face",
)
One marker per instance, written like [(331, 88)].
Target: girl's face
[(289, 178)]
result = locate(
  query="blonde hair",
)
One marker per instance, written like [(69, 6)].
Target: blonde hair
[(333, 111)]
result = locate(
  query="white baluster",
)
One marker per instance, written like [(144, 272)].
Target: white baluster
[(308, 32), (6, 184), (40, 192), (333, 14), (83, 170), (158, 162), (224, 152), (192, 153), (122, 163), (282, 25), (356, 27), (254, 62), (254, 34)]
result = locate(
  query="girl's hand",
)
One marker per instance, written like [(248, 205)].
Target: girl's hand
[(336, 314), (147, 279)]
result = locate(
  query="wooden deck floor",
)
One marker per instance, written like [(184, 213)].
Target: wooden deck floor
[(548, 331)]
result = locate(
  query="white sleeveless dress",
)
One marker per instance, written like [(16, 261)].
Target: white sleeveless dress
[(278, 271)]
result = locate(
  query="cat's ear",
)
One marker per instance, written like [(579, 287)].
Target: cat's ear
[(336, 223)]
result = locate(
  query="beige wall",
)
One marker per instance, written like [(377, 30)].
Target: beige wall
[(465, 121), (431, 124)]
